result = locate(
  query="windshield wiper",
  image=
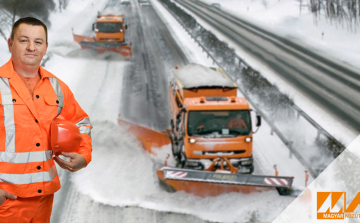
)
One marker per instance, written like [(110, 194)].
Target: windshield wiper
[(227, 136), (217, 134)]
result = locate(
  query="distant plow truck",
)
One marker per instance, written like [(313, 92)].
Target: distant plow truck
[(211, 137), (109, 36)]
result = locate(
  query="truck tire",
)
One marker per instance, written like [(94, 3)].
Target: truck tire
[(175, 151), (181, 159), (172, 125), (251, 168)]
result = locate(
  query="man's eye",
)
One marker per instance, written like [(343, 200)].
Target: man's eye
[(23, 40), (38, 43)]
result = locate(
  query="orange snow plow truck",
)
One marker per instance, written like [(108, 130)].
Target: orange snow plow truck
[(109, 36), (211, 137)]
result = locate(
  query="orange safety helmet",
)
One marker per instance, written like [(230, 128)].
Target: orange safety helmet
[(65, 136)]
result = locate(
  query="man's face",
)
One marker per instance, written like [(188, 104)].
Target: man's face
[(28, 46)]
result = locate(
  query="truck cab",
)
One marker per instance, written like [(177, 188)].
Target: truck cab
[(110, 28), (209, 120)]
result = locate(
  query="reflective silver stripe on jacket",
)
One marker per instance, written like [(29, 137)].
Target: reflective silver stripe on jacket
[(85, 130), (83, 122), (83, 126), (8, 108), (29, 178), (28, 157), (55, 84)]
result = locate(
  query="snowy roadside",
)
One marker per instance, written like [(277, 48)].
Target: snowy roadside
[(331, 124), (284, 18)]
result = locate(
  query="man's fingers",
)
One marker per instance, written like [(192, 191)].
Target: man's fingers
[(63, 164), (10, 196), (58, 161), (76, 163), (61, 161), (71, 155), (64, 167)]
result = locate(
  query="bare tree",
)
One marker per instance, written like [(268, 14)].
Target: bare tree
[(6, 21), (265, 3), (338, 11), (63, 4), (10, 10), (60, 5)]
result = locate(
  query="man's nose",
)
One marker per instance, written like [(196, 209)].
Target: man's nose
[(31, 46)]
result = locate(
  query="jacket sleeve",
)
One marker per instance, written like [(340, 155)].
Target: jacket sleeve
[(74, 113)]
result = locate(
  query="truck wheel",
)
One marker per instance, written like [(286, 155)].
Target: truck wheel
[(175, 151), (181, 157), (172, 125), (182, 160)]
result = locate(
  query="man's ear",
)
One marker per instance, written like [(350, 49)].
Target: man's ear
[(10, 43)]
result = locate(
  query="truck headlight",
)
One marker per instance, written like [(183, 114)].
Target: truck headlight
[(248, 139), (246, 162), (196, 152)]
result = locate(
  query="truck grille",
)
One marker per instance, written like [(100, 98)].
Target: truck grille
[(223, 152), (109, 39)]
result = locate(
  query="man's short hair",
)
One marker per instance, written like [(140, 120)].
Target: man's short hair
[(30, 21)]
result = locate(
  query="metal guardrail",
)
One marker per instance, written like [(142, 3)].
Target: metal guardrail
[(300, 112)]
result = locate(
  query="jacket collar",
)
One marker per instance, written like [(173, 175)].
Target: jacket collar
[(8, 71)]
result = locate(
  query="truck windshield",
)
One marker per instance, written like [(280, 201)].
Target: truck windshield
[(109, 27), (219, 123)]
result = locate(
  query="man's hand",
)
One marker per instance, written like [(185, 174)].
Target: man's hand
[(76, 163), (5, 194)]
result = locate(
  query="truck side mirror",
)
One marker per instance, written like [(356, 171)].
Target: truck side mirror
[(258, 122), (93, 26), (178, 118), (126, 26)]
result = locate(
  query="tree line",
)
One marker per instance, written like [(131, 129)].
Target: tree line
[(340, 12), (12, 10)]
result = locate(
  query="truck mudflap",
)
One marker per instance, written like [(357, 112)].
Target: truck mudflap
[(90, 43), (206, 183)]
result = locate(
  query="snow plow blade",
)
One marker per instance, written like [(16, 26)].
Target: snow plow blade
[(207, 183), (149, 138), (90, 43), (210, 181)]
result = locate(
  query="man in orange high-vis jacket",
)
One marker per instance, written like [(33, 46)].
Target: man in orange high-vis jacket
[(31, 98), (237, 122)]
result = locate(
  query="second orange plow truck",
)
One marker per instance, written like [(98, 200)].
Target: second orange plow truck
[(109, 36), (211, 137)]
